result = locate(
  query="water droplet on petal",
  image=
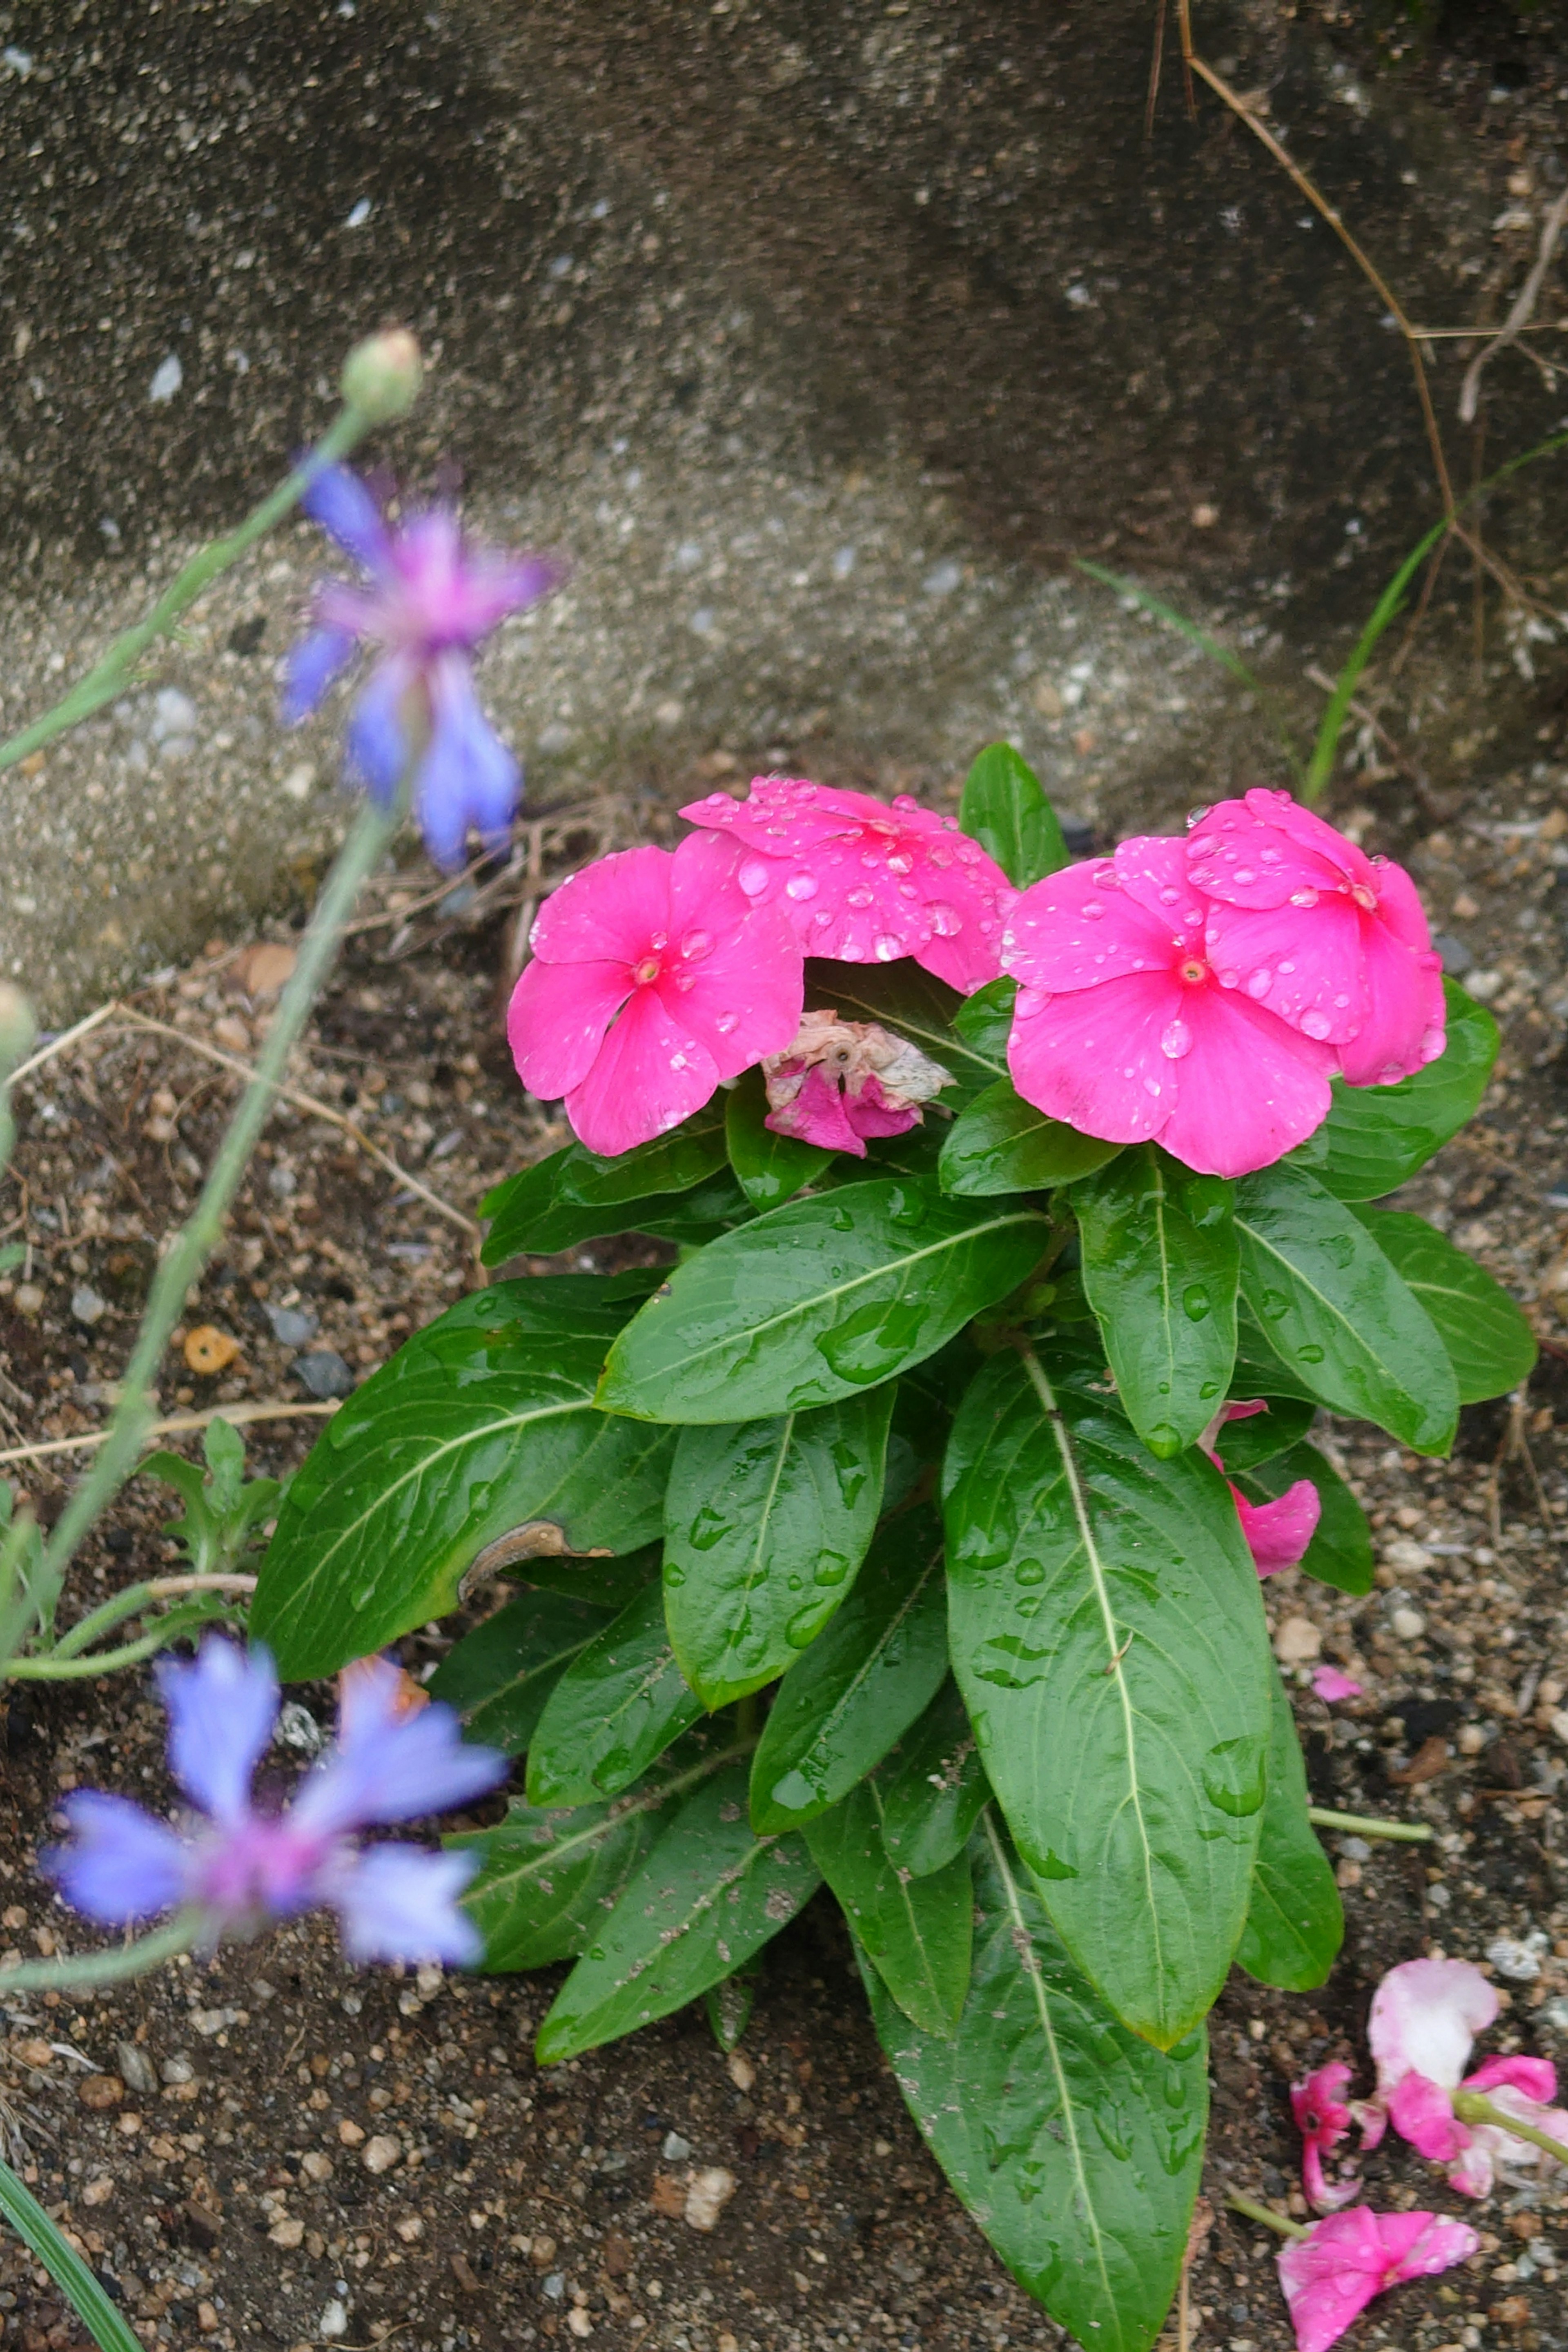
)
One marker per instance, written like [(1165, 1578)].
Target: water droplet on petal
[(1204, 842), (1245, 874), (1169, 897), (861, 897), (678, 1061), (658, 941), (1092, 909), (1316, 1024), (1176, 1041), (946, 921), (725, 1022), (696, 945), (1260, 981), (900, 862), (1196, 816), (752, 876), (1308, 897), (1152, 1087), (888, 948), (801, 885), (1286, 965)]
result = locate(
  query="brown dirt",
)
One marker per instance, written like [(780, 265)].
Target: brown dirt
[(221, 2188)]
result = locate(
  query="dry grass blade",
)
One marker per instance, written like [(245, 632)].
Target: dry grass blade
[(1517, 318), (179, 1425)]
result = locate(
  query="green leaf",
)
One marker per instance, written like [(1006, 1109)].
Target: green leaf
[(770, 1168), (481, 1424), (1161, 1264), (221, 1524), (1375, 1138), (535, 1215), (499, 1676), (80, 2286), (916, 1932), (1295, 1921), (1002, 1144), (1340, 1550), (984, 1021), (765, 1523), (673, 1162), (815, 1300), (1077, 2148), (1242, 1444), (606, 1582), (1108, 1635), (1333, 1309), (1491, 1345), (548, 1878), (729, 2004), (1006, 812), (932, 1786), (919, 1007), (618, 1704), (707, 1898), (864, 1681)]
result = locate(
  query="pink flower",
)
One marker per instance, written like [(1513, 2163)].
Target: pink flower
[(864, 882), (1122, 1029), (1425, 2016), (1277, 1533), (1335, 943), (1338, 2266), (841, 1081), (1323, 2119), (1330, 1684), (654, 976)]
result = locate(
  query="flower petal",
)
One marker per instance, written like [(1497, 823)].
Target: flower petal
[(609, 912), (1423, 2113), (556, 1022), (389, 1765), (1278, 1533), (738, 979), (1329, 2277), (1535, 2077), (313, 665), (1305, 965), (649, 1076), (1425, 2016), (467, 777), (816, 1113), (400, 1903), (1265, 849), (1092, 1056), (1406, 1012), (1249, 1089), (376, 742), (1080, 929), (340, 502), (121, 1865), (222, 1708), (1332, 1685)]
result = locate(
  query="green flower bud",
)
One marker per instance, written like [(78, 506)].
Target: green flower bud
[(382, 376)]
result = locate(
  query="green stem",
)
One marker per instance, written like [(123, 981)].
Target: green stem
[(1266, 2214), (105, 1967), (373, 829), (107, 678), (48, 1667), (138, 1596), (1475, 2107), (64, 2266), (1403, 1832)]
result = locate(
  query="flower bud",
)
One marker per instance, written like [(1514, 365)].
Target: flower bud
[(17, 1026), (382, 376)]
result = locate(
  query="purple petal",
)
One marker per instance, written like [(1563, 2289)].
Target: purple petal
[(468, 776), (313, 665), (377, 748), (340, 502), (399, 1903), (389, 1767), (122, 1866), (221, 1713)]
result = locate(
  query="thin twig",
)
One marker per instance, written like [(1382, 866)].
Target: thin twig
[(178, 1425), (1155, 63), (67, 1037), (1391, 744), (1519, 317)]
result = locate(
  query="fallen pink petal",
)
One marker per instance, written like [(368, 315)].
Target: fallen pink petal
[(1332, 1685), (1341, 2264)]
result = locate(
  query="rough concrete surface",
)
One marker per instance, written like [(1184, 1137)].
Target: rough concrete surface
[(820, 337)]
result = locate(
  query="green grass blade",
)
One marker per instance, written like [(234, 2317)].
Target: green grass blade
[(81, 2290)]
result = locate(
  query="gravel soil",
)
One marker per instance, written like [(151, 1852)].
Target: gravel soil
[(275, 2151)]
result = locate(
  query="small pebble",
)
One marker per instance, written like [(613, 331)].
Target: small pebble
[(324, 1373), (676, 2149), (1403, 1553), (87, 1306), (1559, 1723), (1296, 1641), (711, 2191), (288, 2232), (166, 381), (743, 2074), (1519, 1960), (334, 2319), (1408, 1625), (381, 2153), (291, 1326), (178, 2069), (101, 2090)]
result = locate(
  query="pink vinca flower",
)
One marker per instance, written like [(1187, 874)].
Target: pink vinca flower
[(1122, 1027), (1330, 1685), (654, 977), (840, 1082), (864, 882), (1338, 2266), (1278, 1533), (1323, 2119), (1425, 2016), (1335, 943)]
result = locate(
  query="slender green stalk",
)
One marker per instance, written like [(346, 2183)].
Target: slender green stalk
[(107, 678), (81, 2290), (373, 829), (177, 1934), (1402, 1832), (136, 1597), (48, 1667), (1266, 2214), (1474, 2107)]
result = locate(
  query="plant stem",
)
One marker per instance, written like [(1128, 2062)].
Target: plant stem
[(1475, 2107), (107, 678), (105, 1967), (1403, 1832), (135, 1599), (65, 2266), (373, 829), (1266, 2214), (48, 1667)]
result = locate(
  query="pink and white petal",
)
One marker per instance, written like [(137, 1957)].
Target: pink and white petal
[(1419, 2245), (1406, 1013), (870, 1113), (609, 912), (556, 1022), (1331, 1687), (1078, 928), (742, 996), (1247, 1091), (1258, 856), (1152, 868), (649, 1076), (1304, 964), (1421, 2113), (1535, 2077), (817, 1113), (1425, 2016), (1472, 2171), (1329, 2277), (1092, 1056), (1278, 1533)]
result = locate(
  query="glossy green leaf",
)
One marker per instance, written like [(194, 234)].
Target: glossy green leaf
[(1076, 2146), (932, 1786), (707, 1898), (499, 1676), (483, 1422), (673, 1162), (1005, 810), (548, 1878), (816, 1301), (535, 1215), (605, 1582), (1241, 1445), (984, 1021), (1491, 1345), (919, 1007), (916, 1932), (1375, 1138), (1295, 1921), (1333, 1309), (1340, 1550), (765, 1523), (770, 1168), (618, 1704), (1160, 1264), (729, 2004), (1108, 1634), (1002, 1144), (862, 1682)]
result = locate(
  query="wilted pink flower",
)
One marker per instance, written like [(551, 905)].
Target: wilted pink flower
[(1323, 2119), (1330, 1684), (1338, 2266), (1334, 942), (864, 882), (1122, 1029), (653, 977), (839, 1082), (1277, 1533), (1425, 2017)]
